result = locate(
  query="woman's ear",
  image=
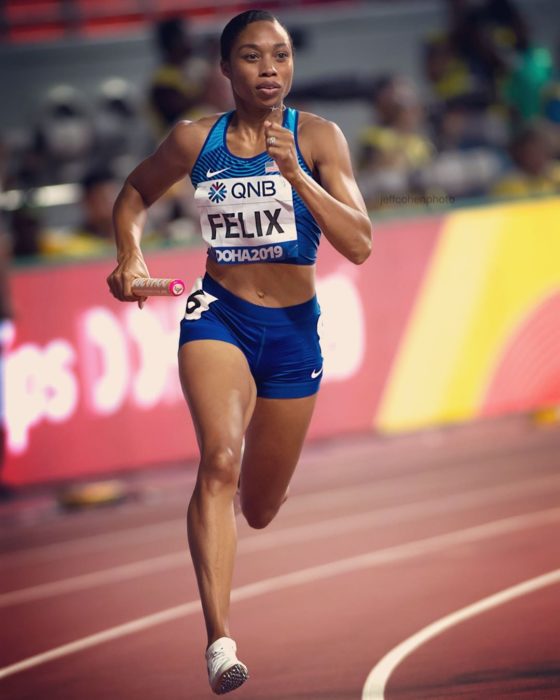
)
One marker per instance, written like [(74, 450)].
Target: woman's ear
[(225, 68)]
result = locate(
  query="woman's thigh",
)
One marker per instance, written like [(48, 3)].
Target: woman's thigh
[(220, 392), (274, 440)]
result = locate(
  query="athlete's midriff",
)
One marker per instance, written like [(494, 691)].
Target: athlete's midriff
[(266, 284)]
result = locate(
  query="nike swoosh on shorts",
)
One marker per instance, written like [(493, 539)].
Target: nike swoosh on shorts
[(316, 373)]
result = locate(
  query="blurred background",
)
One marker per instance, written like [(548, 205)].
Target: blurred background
[(452, 112)]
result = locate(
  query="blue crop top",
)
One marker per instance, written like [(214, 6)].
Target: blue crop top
[(248, 211)]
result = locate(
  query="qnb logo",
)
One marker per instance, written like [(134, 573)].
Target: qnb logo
[(252, 190), (217, 192)]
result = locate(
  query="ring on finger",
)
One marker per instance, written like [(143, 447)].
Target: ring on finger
[(271, 140)]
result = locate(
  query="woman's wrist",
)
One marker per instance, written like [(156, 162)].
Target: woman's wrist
[(298, 178), (129, 250)]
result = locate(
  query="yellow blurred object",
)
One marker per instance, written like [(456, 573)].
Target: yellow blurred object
[(92, 494), (74, 244), (414, 149), (519, 184), (491, 270), (548, 415)]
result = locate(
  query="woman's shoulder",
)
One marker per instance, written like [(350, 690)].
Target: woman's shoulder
[(188, 137), (201, 126), (313, 125), (317, 136)]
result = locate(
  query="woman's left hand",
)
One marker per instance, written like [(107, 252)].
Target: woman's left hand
[(280, 146)]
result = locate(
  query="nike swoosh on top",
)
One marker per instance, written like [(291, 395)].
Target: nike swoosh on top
[(316, 373), (210, 173)]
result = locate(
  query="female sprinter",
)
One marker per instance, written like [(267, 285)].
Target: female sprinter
[(268, 180)]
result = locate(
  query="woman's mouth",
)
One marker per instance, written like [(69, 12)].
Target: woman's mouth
[(269, 89)]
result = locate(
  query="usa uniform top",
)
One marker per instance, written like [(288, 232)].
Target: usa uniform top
[(248, 211)]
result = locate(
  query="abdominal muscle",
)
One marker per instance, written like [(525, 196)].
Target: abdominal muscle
[(266, 284)]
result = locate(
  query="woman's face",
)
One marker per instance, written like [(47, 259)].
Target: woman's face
[(260, 65)]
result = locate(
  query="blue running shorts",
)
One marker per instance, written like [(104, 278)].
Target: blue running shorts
[(281, 344)]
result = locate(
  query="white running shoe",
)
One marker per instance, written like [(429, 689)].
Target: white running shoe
[(225, 671)]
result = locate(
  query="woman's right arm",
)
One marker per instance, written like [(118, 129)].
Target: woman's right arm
[(172, 161)]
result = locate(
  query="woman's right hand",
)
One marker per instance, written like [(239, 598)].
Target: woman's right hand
[(130, 267)]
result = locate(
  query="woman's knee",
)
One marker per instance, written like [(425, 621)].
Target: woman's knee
[(258, 518), (261, 515), (219, 469)]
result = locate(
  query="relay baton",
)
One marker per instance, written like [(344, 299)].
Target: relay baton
[(157, 287)]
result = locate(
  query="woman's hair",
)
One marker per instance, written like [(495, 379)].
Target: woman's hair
[(236, 25)]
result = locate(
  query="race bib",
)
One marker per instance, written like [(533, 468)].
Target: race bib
[(248, 219)]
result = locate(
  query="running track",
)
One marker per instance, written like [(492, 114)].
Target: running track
[(393, 571)]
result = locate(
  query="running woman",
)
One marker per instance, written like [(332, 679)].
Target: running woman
[(268, 180)]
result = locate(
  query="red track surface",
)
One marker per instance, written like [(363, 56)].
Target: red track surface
[(381, 507)]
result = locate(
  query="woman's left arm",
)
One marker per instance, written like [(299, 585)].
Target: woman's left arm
[(336, 204)]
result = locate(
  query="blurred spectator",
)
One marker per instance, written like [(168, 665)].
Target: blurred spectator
[(534, 171), (447, 74), (99, 191), (551, 103), (26, 231), (458, 126), (485, 76), (469, 158), (529, 66), (463, 61), (508, 28), (64, 138), (174, 91), (465, 67), (473, 28), (551, 113), (523, 90), (95, 234), (456, 174), (395, 147), (121, 135), (217, 95), (187, 84), (485, 45), (390, 93)]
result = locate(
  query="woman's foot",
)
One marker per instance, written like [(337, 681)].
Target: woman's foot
[(225, 671)]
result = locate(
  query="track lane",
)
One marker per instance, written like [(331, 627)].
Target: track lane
[(139, 554), (171, 654), (508, 651), (373, 600), (295, 546)]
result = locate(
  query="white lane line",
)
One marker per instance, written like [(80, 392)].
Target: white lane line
[(115, 574), (315, 573), (91, 543), (297, 534), (302, 503), (145, 533), (374, 688)]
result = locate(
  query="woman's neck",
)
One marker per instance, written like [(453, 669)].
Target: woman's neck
[(251, 120)]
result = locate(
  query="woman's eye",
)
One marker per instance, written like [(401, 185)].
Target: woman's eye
[(251, 57), (283, 55)]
